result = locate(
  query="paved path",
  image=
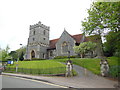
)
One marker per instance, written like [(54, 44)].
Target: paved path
[(80, 81), (83, 73)]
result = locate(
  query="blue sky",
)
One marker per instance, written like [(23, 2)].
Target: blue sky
[(17, 15)]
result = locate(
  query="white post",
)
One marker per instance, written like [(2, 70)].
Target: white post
[(16, 66), (85, 70)]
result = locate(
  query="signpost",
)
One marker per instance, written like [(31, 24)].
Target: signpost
[(17, 62), (10, 62), (68, 55), (16, 66)]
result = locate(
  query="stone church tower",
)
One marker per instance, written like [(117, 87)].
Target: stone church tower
[(38, 41)]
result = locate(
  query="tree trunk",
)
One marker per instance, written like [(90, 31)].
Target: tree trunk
[(81, 55), (91, 54), (99, 49)]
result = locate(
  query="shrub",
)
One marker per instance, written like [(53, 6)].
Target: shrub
[(60, 57), (117, 53), (26, 60), (63, 57), (73, 56), (35, 59), (114, 71)]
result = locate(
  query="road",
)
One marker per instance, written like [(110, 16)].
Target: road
[(17, 82)]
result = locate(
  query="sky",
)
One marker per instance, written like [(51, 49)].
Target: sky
[(17, 15)]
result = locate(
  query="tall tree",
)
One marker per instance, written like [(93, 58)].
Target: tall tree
[(112, 44), (4, 53), (102, 16), (22, 56), (21, 52), (14, 55)]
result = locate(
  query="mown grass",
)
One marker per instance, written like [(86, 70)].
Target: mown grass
[(90, 64), (39, 67), (93, 64), (113, 61)]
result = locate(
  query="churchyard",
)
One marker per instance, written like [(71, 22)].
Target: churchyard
[(93, 64), (55, 67), (38, 67)]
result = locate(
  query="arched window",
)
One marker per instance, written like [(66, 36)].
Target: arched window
[(34, 33), (33, 39), (44, 32), (64, 47), (43, 56)]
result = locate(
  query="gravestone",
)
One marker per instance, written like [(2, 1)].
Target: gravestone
[(69, 68), (104, 67)]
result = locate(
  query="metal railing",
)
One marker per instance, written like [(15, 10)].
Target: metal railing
[(57, 70)]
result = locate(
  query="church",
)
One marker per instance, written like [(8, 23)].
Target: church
[(39, 46)]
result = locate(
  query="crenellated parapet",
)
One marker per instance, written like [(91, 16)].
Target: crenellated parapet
[(38, 25), (38, 43)]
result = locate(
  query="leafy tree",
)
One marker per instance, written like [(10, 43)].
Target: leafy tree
[(4, 53), (14, 55), (21, 52), (84, 48), (103, 16), (112, 44), (79, 50), (21, 56)]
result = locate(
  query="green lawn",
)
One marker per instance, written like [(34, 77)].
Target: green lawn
[(39, 67), (43, 64), (114, 61), (92, 64)]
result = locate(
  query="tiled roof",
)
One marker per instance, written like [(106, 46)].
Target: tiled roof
[(77, 38), (86, 39), (52, 43)]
